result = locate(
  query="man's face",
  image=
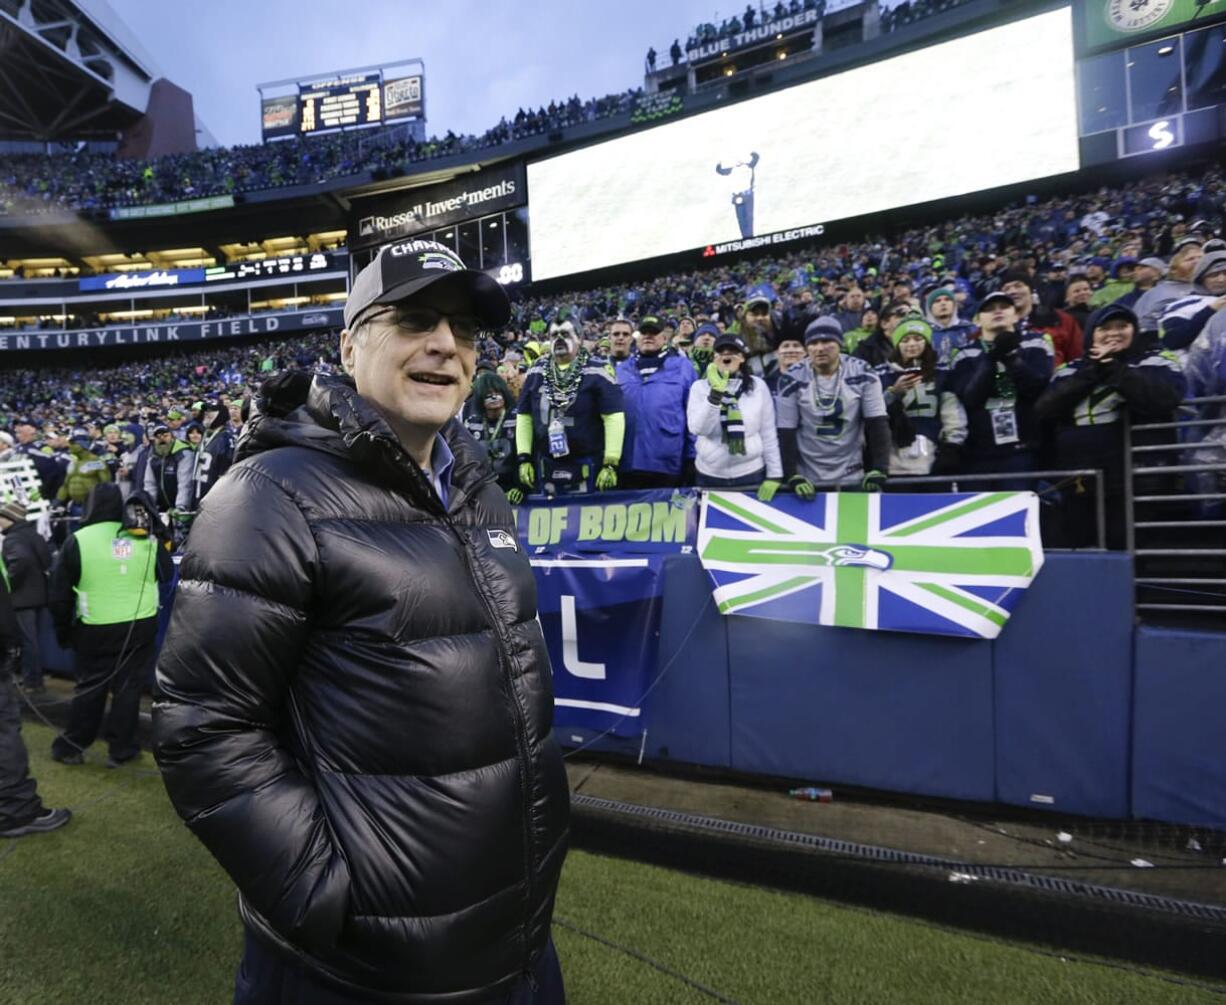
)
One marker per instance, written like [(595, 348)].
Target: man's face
[(902, 291), (889, 320), (112, 436), (704, 341), (1126, 273), (1145, 276), (236, 415), (174, 423), (162, 442), (943, 309), (854, 300), (998, 316), (563, 346), (789, 353), (824, 354), (510, 373), (1185, 262), (1078, 293), (758, 316), (24, 432), (1113, 336), (621, 338), (416, 372), (1215, 282), (1021, 295), (1095, 274), (650, 342)]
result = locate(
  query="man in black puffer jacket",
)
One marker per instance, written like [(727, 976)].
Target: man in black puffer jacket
[(354, 710)]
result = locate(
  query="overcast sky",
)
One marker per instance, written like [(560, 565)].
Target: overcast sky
[(483, 59)]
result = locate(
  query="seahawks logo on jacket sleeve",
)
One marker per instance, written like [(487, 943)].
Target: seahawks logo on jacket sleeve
[(501, 539)]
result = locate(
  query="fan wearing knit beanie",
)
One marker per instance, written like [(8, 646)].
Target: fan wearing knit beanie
[(949, 332), (927, 421)]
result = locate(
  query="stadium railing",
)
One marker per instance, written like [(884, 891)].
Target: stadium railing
[(1176, 511)]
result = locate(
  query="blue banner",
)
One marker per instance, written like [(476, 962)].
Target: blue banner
[(601, 618), (598, 561)]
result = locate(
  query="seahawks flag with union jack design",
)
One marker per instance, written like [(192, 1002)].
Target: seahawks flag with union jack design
[(946, 564)]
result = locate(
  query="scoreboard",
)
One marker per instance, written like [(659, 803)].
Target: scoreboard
[(333, 104), (351, 99)]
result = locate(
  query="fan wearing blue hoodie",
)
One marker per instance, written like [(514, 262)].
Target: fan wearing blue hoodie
[(1186, 318), (1119, 375)]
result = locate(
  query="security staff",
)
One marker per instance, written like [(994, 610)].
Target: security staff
[(104, 602), (571, 421)]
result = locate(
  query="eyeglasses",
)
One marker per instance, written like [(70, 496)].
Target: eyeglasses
[(423, 320)]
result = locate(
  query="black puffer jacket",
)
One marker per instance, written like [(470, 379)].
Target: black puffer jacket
[(355, 706), (29, 560)]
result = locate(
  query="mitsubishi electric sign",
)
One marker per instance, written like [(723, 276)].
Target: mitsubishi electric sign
[(381, 219)]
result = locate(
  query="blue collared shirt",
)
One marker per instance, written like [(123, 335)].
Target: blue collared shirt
[(441, 462)]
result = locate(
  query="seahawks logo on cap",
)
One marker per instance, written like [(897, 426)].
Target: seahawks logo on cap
[(439, 260), (501, 539)]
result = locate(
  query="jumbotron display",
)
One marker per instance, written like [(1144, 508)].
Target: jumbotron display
[(994, 108)]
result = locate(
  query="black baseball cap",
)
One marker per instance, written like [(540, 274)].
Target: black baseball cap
[(729, 340), (407, 267), (995, 295), (651, 323)]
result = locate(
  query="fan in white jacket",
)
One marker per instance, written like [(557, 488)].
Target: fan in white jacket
[(732, 416)]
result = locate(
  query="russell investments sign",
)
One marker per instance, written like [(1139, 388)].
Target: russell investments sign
[(190, 331)]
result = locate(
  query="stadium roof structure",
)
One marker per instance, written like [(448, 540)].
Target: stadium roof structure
[(69, 70)]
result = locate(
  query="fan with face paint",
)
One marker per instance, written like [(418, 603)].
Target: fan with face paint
[(563, 342)]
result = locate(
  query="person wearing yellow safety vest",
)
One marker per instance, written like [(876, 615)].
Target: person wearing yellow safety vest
[(104, 602)]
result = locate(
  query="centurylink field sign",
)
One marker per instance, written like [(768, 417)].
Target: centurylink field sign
[(947, 564)]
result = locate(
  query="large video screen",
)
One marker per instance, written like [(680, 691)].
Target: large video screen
[(990, 109)]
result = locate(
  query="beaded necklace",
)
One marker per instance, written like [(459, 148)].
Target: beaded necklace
[(562, 386)]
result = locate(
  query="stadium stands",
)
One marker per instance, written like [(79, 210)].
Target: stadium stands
[(35, 183), (891, 18)]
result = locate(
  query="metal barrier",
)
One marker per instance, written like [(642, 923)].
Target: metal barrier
[(1176, 517), (1058, 478)]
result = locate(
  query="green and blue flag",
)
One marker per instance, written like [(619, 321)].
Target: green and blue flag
[(946, 564)]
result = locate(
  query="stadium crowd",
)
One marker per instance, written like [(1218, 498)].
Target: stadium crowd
[(990, 345), (901, 14), (38, 183)]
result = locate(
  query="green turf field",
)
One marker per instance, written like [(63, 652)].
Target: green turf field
[(124, 906)]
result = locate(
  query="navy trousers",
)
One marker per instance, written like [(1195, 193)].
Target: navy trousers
[(266, 978)]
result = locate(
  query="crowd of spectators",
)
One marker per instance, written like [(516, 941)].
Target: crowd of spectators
[(901, 14), (974, 346), (84, 181)]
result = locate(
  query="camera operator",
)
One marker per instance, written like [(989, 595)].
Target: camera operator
[(104, 602)]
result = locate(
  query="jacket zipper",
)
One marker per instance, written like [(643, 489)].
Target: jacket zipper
[(504, 663), (521, 737)]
